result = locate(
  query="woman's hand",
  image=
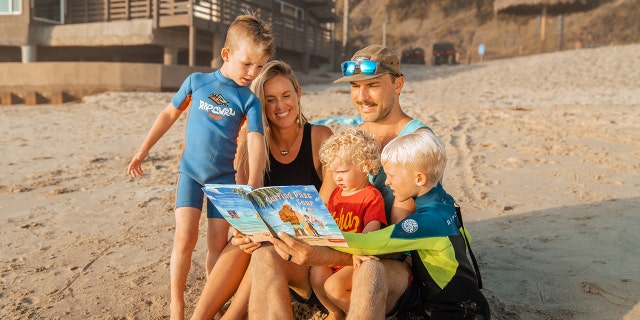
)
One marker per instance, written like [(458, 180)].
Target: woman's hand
[(243, 242)]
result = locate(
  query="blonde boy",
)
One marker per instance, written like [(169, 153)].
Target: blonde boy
[(444, 278), (217, 103)]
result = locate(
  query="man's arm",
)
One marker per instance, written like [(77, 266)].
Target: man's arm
[(304, 254)]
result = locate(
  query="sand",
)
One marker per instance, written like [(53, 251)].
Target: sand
[(543, 158)]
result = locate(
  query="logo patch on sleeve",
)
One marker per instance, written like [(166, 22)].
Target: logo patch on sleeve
[(409, 226)]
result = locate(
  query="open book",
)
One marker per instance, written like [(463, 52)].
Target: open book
[(296, 210)]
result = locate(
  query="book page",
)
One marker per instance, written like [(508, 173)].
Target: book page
[(231, 202)]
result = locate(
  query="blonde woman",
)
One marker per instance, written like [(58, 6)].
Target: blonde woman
[(293, 145)]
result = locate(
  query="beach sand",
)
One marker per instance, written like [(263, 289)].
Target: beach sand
[(543, 159)]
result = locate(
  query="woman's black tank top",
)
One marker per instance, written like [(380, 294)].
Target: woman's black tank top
[(301, 171)]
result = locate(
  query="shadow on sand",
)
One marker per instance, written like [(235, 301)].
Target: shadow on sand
[(577, 262)]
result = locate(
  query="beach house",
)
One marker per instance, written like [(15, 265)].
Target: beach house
[(53, 48)]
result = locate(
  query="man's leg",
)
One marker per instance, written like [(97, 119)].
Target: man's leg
[(377, 288), (184, 241), (271, 277)]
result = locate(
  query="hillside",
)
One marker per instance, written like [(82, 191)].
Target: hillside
[(469, 23)]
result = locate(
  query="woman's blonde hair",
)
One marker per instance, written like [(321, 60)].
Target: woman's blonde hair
[(271, 69), (421, 150), (355, 145)]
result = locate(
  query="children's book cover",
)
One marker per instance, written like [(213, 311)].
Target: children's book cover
[(296, 210)]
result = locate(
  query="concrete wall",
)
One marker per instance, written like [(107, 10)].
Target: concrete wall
[(76, 79)]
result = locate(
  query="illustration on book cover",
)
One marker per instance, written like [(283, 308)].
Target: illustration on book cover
[(296, 210)]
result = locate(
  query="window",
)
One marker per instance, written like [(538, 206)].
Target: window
[(291, 10), (10, 7), (51, 11), (293, 16)]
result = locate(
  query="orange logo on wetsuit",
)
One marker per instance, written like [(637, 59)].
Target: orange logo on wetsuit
[(346, 221), (217, 112), (219, 99)]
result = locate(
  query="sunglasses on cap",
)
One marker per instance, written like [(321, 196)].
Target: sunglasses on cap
[(368, 67)]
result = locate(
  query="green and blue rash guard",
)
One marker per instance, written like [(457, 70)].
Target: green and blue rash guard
[(433, 235), (217, 108), (378, 179)]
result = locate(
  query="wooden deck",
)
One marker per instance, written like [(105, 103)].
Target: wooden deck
[(307, 34)]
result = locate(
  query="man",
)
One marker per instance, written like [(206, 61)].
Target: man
[(378, 285)]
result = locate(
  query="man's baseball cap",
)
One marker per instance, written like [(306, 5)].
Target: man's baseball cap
[(383, 58)]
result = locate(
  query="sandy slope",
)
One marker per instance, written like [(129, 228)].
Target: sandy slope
[(543, 159)]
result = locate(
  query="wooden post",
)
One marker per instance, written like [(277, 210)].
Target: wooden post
[(543, 22), (559, 44), (192, 45), (345, 28), (218, 43)]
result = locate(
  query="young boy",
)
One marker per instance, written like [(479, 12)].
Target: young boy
[(217, 103), (356, 205), (414, 164)]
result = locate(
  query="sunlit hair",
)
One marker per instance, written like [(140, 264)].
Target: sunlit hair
[(271, 69), (249, 27), (354, 145), (420, 151)]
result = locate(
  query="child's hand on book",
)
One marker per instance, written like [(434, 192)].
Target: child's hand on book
[(358, 260)]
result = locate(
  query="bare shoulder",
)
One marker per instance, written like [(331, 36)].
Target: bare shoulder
[(320, 132)]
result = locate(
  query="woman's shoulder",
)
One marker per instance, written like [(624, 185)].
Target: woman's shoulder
[(320, 132)]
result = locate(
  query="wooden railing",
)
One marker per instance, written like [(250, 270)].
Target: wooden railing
[(291, 33)]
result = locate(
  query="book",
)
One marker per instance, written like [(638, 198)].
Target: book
[(297, 210)]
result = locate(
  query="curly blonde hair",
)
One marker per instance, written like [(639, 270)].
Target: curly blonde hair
[(355, 145)]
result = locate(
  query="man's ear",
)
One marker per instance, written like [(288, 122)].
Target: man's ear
[(224, 53), (399, 84)]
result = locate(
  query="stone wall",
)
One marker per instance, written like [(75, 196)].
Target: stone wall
[(57, 82)]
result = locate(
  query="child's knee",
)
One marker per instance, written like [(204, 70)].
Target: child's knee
[(316, 277), (335, 288)]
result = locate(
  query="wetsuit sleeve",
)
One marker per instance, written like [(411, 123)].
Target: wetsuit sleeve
[(182, 98), (417, 232)]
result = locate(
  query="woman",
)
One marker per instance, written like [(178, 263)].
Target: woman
[(293, 145)]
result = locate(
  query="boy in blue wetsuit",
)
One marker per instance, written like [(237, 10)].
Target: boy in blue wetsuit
[(414, 164), (218, 103)]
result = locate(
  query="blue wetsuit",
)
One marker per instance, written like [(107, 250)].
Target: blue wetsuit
[(218, 106)]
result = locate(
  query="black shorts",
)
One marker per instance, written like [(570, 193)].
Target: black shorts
[(409, 304), (312, 300), (412, 307)]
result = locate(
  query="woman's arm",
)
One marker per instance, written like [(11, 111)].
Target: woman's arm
[(318, 135)]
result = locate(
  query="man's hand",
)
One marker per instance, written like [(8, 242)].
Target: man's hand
[(298, 252), (291, 249)]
